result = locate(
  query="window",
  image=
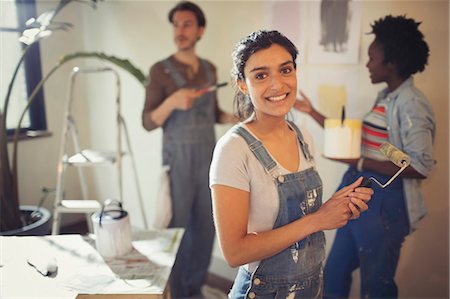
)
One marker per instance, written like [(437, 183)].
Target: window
[(13, 15)]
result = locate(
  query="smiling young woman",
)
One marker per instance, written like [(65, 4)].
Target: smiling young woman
[(270, 82), (267, 194)]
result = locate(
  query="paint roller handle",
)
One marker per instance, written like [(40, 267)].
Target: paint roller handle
[(366, 183)]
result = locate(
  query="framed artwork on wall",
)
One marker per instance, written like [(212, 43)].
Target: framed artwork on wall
[(334, 32)]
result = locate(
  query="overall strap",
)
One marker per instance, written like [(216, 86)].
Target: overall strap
[(303, 144), (257, 148), (176, 75)]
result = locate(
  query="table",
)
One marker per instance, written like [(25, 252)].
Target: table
[(83, 273)]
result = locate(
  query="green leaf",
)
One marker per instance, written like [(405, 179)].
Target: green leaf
[(122, 63)]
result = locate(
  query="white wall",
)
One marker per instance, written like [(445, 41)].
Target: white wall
[(139, 31)]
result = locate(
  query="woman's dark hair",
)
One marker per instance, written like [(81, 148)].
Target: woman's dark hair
[(245, 48), (189, 6), (402, 43)]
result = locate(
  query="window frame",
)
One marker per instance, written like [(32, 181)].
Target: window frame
[(26, 9)]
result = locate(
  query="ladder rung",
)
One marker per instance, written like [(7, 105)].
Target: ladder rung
[(78, 206), (89, 157)]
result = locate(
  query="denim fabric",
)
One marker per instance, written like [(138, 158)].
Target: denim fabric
[(295, 272), (411, 128), (308, 285), (371, 243), (188, 144)]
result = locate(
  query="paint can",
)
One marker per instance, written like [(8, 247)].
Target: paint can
[(112, 229)]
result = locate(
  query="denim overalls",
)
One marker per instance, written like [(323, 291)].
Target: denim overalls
[(295, 272), (372, 242), (188, 144)]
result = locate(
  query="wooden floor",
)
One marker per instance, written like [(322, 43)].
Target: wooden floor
[(215, 284)]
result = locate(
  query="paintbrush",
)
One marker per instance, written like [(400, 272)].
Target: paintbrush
[(343, 115), (213, 87)]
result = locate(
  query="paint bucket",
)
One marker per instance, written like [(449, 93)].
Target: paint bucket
[(342, 138), (112, 229)]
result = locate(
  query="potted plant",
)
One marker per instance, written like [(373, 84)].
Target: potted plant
[(12, 220)]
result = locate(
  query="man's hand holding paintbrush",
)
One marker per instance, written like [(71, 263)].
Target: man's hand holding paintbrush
[(184, 98), (212, 87)]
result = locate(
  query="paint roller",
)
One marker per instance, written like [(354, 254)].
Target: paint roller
[(397, 157)]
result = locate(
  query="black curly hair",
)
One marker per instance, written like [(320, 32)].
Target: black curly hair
[(402, 44)]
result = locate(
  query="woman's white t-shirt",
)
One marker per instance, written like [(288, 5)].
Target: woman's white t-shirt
[(235, 165)]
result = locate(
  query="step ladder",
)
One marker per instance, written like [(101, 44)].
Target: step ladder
[(82, 158)]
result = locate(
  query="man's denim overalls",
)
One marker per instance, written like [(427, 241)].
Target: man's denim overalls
[(295, 272), (188, 144)]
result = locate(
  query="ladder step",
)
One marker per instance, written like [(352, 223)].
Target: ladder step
[(79, 206), (89, 157)]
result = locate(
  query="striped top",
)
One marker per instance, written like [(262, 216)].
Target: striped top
[(374, 132)]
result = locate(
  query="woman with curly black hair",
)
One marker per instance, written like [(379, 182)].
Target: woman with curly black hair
[(403, 116)]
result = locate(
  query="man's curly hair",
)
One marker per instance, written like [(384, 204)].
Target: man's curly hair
[(402, 43)]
